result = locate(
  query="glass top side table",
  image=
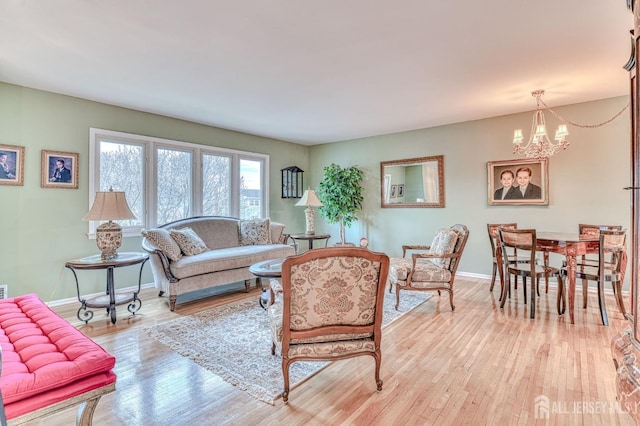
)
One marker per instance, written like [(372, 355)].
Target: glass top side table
[(111, 299)]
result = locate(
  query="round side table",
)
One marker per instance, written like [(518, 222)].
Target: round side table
[(310, 238), (111, 299)]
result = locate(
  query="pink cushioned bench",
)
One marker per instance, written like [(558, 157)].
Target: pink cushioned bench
[(47, 364)]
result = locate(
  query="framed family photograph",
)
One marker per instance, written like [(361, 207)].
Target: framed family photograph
[(59, 169), (518, 182), (11, 165)]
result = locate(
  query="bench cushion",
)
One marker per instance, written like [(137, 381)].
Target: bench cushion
[(43, 355)]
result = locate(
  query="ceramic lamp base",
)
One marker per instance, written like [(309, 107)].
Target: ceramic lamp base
[(308, 214), (109, 239)]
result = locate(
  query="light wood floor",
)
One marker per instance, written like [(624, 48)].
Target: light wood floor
[(479, 365)]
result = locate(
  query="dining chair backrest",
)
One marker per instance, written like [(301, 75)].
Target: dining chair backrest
[(612, 245), (519, 240), (584, 229), (492, 229)]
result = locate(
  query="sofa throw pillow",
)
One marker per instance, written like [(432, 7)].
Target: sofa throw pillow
[(161, 239), (275, 230), (190, 243), (254, 232), (443, 243)]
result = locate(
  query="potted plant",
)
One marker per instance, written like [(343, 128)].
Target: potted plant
[(341, 194)]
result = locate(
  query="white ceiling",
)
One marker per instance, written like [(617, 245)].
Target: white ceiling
[(323, 71)]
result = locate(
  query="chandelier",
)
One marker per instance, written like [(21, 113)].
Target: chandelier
[(539, 145)]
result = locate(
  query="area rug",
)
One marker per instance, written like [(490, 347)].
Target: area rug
[(234, 342)]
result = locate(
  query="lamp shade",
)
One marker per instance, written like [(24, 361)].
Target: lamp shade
[(309, 199), (111, 205)]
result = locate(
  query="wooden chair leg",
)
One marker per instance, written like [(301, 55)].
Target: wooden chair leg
[(617, 290), (603, 308), (524, 288), (534, 284), (546, 276), (505, 290), (561, 303), (285, 377), (493, 276), (585, 291), (377, 356), (397, 296)]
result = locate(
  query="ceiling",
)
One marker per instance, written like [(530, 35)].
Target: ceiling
[(324, 71)]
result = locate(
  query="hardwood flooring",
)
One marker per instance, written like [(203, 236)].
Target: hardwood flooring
[(477, 365)]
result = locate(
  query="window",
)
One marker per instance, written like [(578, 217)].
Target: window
[(168, 180), (174, 177)]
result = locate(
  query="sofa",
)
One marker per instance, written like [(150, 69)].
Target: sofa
[(208, 251)]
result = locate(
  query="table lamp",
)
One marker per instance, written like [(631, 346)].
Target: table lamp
[(111, 205), (310, 200)]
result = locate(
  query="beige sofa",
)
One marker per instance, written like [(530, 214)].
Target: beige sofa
[(230, 246)]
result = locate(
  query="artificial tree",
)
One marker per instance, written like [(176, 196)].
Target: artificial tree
[(341, 195)]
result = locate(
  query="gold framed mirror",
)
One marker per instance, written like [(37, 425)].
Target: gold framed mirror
[(412, 182)]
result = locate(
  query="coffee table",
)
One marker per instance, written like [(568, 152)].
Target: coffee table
[(266, 269)]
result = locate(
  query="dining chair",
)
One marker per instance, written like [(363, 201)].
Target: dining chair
[(523, 242), (492, 229), (609, 268), (590, 260), (328, 307)]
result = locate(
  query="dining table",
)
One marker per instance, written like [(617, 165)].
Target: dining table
[(570, 245)]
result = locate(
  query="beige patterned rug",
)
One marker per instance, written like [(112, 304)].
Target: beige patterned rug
[(234, 342)]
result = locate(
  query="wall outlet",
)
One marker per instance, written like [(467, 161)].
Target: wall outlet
[(4, 289)]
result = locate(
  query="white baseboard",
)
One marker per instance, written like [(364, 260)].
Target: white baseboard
[(552, 282)]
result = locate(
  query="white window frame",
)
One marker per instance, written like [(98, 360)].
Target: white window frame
[(150, 177)]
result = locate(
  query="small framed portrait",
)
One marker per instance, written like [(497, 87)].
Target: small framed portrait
[(11, 165), (518, 182), (59, 169), (394, 191), (401, 190)]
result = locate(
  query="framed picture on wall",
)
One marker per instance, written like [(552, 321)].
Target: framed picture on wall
[(394, 191), (401, 190), (59, 169), (518, 182), (11, 165)]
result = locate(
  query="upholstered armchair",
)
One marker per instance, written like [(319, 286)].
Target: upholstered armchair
[(329, 307), (434, 268)]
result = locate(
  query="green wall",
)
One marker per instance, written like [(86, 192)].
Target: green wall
[(42, 228), (585, 181)]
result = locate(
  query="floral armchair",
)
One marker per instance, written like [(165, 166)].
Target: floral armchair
[(329, 307), (434, 268)]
